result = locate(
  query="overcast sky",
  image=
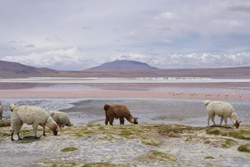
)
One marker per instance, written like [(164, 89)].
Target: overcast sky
[(79, 34)]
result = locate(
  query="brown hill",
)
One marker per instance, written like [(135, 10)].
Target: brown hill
[(12, 69), (123, 65)]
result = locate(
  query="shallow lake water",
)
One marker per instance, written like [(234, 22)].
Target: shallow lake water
[(90, 110)]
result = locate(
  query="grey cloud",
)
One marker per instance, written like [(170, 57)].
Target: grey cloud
[(86, 28), (240, 8), (30, 45)]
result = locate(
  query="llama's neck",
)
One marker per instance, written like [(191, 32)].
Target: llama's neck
[(234, 117), (50, 122), (130, 118)]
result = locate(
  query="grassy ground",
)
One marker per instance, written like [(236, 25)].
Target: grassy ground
[(155, 136)]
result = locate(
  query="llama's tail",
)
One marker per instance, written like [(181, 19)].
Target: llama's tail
[(206, 102)]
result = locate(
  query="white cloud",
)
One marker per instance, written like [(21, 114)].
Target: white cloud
[(73, 59), (207, 60), (166, 16), (56, 59)]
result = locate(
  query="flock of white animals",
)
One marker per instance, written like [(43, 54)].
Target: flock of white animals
[(35, 116)]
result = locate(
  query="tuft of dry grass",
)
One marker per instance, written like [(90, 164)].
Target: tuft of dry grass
[(53, 163), (4, 123)]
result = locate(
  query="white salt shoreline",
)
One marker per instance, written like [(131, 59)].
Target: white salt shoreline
[(94, 80)]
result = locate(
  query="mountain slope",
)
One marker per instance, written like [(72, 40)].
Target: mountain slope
[(123, 65), (12, 69)]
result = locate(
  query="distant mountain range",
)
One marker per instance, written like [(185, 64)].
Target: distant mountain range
[(13, 69), (121, 68), (123, 65)]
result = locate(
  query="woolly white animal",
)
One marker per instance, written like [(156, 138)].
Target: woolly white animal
[(1, 111), (61, 118), (31, 115), (223, 110)]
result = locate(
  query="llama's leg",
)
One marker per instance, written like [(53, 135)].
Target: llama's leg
[(221, 119), (12, 134), (35, 126), (208, 120), (18, 131), (19, 138), (106, 120), (17, 128), (212, 118), (225, 120), (43, 130), (111, 120), (122, 120)]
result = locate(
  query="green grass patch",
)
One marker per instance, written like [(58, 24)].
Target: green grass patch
[(241, 134), (228, 143), (151, 142), (101, 128), (244, 148), (235, 133), (207, 142), (126, 133), (69, 149), (52, 163), (28, 139), (209, 157), (173, 130), (163, 156)]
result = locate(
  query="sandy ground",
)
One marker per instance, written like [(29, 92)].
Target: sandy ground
[(93, 148)]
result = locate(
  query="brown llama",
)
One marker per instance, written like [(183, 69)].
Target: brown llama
[(118, 111)]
